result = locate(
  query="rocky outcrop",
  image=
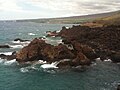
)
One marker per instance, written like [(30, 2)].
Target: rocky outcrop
[(39, 50), (103, 40), (82, 45)]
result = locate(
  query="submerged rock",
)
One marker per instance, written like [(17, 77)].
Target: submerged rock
[(21, 40), (8, 57), (4, 46)]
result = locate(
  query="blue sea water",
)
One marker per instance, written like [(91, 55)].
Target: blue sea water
[(99, 76)]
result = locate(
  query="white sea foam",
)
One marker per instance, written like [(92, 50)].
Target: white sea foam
[(59, 41), (58, 31), (1, 60), (42, 62), (48, 66), (17, 46), (18, 42), (44, 36), (24, 70), (6, 53), (67, 27), (97, 59), (27, 69), (31, 34), (108, 60), (93, 64), (10, 62)]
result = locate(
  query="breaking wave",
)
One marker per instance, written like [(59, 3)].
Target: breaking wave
[(10, 62), (19, 42), (17, 46), (31, 34), (6, 53), (50, 66)]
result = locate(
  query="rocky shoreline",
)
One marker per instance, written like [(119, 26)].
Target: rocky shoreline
[(81, 46)]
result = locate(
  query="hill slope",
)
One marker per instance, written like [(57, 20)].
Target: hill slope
[(110, 20), (73, 19)]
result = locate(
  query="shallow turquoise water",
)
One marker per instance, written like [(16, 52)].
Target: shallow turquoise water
[(99, 76)]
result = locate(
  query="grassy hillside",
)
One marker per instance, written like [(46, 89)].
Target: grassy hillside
[(110, 20), (73, 19)]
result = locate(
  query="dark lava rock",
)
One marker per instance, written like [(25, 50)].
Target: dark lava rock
[(85, 49), (87, 44), (118, 88), (8, 57), (21, 40), (55, 53), (4, 46), (100, 39), (38, 49), (115, 57), (32, 51)]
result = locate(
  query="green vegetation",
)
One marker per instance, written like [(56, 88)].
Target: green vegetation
[(110, 20)]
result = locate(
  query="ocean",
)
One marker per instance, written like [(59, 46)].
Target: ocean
[(13, 76)]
